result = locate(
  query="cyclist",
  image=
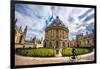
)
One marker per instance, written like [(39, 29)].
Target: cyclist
[(74, 53)]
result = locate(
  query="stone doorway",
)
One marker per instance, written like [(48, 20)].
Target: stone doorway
[(58, 53)]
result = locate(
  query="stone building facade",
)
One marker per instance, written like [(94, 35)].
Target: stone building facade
[(85, 40), (72, 43), (82, 41), (20, 35), (56, 35)]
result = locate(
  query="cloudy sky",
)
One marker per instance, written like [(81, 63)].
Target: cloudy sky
[(38, 17)]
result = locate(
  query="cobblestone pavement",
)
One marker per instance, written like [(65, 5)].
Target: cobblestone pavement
[(22, 60)]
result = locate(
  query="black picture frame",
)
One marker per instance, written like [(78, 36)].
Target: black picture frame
[(12, 35)]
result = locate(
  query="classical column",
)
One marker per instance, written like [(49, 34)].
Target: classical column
[(63, 34), (51, 34), (55, 34), (60, 34), (47, 34)]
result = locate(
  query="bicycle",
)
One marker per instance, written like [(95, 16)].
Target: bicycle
[(74, 58)]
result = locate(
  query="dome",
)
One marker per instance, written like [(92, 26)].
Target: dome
[(57, 24), (57, 21)]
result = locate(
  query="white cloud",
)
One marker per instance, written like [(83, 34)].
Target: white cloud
[(73, 27)]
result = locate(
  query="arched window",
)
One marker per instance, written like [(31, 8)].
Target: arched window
[(68, 44), (56, 44), (45, 44), (63, 44), (50, 44)]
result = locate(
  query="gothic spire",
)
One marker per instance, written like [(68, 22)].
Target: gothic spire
[(25, 30), (20, 29)]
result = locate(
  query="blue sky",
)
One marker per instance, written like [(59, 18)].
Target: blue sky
[(38, 17)]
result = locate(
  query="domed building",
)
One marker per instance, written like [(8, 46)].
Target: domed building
[(56, 35)]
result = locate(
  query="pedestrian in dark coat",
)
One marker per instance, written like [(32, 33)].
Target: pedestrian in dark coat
[(74, 53)]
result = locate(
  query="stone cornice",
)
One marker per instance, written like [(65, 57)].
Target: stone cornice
[(57, 28)]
